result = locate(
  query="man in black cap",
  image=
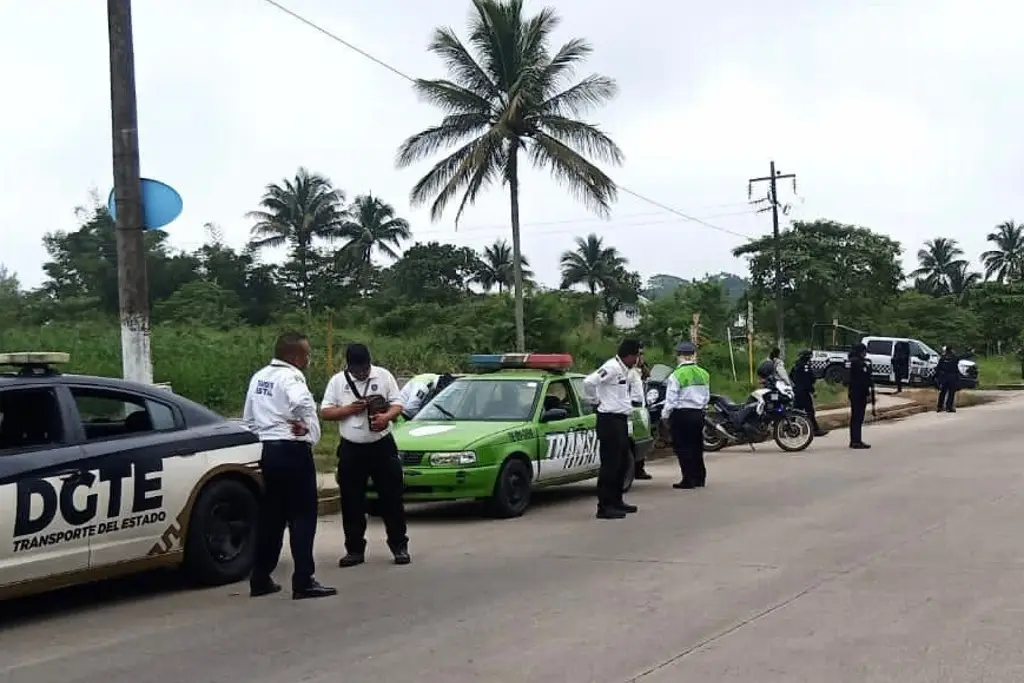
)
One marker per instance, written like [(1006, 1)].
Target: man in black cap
[(860, 386), (803, 379), (608, 388), (365, 400)]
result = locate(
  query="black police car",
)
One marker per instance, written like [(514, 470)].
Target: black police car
[(101, 476)]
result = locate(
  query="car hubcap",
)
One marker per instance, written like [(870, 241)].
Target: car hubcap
[(227, 532), (516, 490)]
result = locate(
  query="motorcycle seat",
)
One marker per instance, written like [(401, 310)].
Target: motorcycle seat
[(726, 403)]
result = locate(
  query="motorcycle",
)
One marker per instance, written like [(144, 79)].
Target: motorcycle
[(655, 399), (768, 413)]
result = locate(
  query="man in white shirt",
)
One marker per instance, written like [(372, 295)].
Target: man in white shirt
[(687, 392), (637, 374), (415, 392), (364, 399), (280, 409), (609, 388)]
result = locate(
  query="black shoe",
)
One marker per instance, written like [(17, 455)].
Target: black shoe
[(940, 410), (643, 475), (685, 485), (859, 446), (351, 560), (258, 589), (820, 433), (627, 508), (402, 556), (610, 513), (951, 410), (314, 590)]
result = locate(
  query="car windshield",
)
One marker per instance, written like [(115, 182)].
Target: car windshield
[(659, 373), (483, 400)]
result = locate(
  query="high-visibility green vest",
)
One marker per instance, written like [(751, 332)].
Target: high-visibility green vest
[(691, 375)]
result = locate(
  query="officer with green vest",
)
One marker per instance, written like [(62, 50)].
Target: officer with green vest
[(687, 393), (415, 391)]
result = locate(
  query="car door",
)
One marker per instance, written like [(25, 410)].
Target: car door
[(880, 355), (920, 368), (38, 464), (565, 446), (144, 466)]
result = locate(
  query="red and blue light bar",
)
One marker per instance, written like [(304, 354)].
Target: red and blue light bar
[(524, 361)]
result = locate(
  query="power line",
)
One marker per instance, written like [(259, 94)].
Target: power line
[(409, 78)]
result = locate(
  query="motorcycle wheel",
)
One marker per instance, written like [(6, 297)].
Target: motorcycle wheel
[(713, 440), (793, 433)]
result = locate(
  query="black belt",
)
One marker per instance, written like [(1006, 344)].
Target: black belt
[(622, 415)]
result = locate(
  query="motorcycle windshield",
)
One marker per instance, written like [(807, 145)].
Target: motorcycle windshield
[(659, 373)]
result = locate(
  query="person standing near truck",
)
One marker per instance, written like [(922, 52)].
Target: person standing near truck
[(901, 363), (859, 390), (947, 376)]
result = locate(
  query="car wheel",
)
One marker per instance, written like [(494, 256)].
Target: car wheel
[(221, 543), (511, 494), (835, 374)]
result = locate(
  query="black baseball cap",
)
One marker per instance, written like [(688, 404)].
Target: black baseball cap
[(357, 356)]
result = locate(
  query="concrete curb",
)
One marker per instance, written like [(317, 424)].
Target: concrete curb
[(1004, 387)]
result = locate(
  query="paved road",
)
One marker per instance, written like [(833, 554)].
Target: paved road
[(901, 563)]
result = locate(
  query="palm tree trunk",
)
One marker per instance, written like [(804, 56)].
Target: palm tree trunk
[(304, 267), (517, 267)]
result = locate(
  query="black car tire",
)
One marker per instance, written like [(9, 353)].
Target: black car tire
[(511, 494), (221, 543), (835, 374)]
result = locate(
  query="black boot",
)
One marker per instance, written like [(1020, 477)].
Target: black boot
[(641, 473), (314, 589)]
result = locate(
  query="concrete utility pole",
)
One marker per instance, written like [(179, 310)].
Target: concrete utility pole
[(132, 283), (773, 199)]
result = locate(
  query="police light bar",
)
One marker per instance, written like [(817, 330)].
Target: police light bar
[(35, 358), (526, 361)]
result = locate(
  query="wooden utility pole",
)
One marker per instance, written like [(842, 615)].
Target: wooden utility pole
[(132, 283), (773, 199)]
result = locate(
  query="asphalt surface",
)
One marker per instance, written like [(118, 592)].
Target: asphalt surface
[(902, 563)]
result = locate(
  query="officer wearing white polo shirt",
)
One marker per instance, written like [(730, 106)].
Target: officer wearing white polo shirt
[(365, 400), (280, 409), (609, 388)]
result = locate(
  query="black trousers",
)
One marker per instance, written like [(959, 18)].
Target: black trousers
[(901, 371), (802, 400), (858, 409), (289, 500), (947, 395), (688, 444), (613, 440), (357, 463)]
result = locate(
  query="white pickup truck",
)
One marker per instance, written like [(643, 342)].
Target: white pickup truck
[(831, 364)]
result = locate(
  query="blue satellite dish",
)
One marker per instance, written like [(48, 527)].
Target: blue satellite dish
[(161, 204)]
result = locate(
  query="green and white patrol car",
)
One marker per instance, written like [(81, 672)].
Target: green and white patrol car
[(519, 424)]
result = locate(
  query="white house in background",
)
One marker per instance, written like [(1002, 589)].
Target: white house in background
[(628, 316)]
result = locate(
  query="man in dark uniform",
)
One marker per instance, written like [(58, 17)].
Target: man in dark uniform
[(280, 409), (947, 376), (803, 379), (859, 390), (901, 364)]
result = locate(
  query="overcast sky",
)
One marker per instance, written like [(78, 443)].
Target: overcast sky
[(902, 116)]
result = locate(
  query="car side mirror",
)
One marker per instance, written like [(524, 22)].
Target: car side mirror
[(554, 415), (923, 356)]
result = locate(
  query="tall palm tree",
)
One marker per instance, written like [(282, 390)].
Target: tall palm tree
[(937, 262), (371, 224), (506, 97), (591, 264), (294, 213), (496, 267), (962, 280), (1006, 261)]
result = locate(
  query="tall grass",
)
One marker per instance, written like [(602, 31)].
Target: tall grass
[(213, 366)]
